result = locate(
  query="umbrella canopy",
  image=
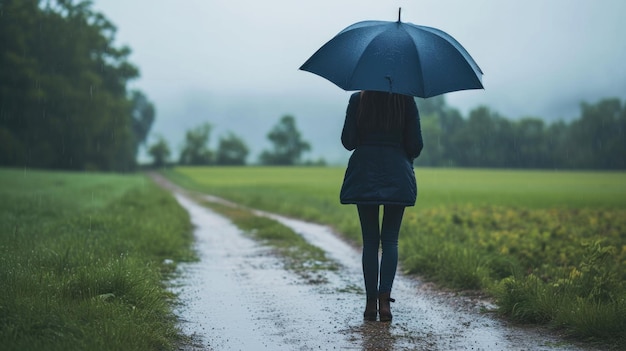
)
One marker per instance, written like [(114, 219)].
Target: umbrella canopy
[(397, 57)]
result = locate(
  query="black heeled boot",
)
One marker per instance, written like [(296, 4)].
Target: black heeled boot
[(371, 309), (384, 300)]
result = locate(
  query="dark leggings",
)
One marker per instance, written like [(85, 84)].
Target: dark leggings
[(373, 236)]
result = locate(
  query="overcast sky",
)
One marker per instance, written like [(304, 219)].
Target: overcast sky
[(233, 57)]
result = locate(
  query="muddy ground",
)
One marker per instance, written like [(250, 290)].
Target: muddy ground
[(238, 296)]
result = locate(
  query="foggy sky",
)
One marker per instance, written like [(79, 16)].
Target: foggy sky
[(235, 62)]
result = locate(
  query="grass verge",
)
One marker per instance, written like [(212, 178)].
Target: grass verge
[(307, 260), (82, 261), (560, 267)]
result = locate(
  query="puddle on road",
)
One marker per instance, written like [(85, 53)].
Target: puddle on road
[(239, 297)]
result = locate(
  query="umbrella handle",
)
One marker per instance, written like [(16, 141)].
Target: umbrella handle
[(390, 84)]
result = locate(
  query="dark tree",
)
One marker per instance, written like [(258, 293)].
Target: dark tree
[(196, 148), (431, 132), (63, 89), (231, 151), (143, 114), (288, 145), (598, 139), (531, 148), (160, 152)]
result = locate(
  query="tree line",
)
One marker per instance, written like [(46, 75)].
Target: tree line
[(287, 148), (594, 140)]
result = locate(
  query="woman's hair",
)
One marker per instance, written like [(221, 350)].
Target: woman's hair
[(382, 110)]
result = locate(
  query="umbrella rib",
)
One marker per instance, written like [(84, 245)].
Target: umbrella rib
[(419, 60), (361, 55), (457, 45), (468, 61)]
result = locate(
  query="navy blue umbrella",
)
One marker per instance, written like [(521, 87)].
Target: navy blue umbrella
[(397, 57)]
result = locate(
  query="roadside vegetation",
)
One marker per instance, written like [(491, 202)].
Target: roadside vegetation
[(83, 258), (548, 246), (298, 255)]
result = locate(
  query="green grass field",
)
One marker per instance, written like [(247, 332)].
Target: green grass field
[(550, 246), (530, 189), (82, 261), (437, 186)]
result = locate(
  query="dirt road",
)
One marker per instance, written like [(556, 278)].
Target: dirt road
[(239, 297)]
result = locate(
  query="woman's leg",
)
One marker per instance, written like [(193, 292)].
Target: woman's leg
[(392, 219), (368, 214)]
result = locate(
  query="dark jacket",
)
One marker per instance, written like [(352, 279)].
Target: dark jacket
[(380, 170)]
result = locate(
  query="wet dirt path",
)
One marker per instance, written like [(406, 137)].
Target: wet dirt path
[(239, 297)]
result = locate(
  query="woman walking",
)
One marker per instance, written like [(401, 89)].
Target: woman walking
[(384, 131)]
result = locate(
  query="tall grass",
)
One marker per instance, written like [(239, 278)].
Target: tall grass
[(81, 261), (548, 245)]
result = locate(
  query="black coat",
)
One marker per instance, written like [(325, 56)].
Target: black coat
[(380, 170)]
